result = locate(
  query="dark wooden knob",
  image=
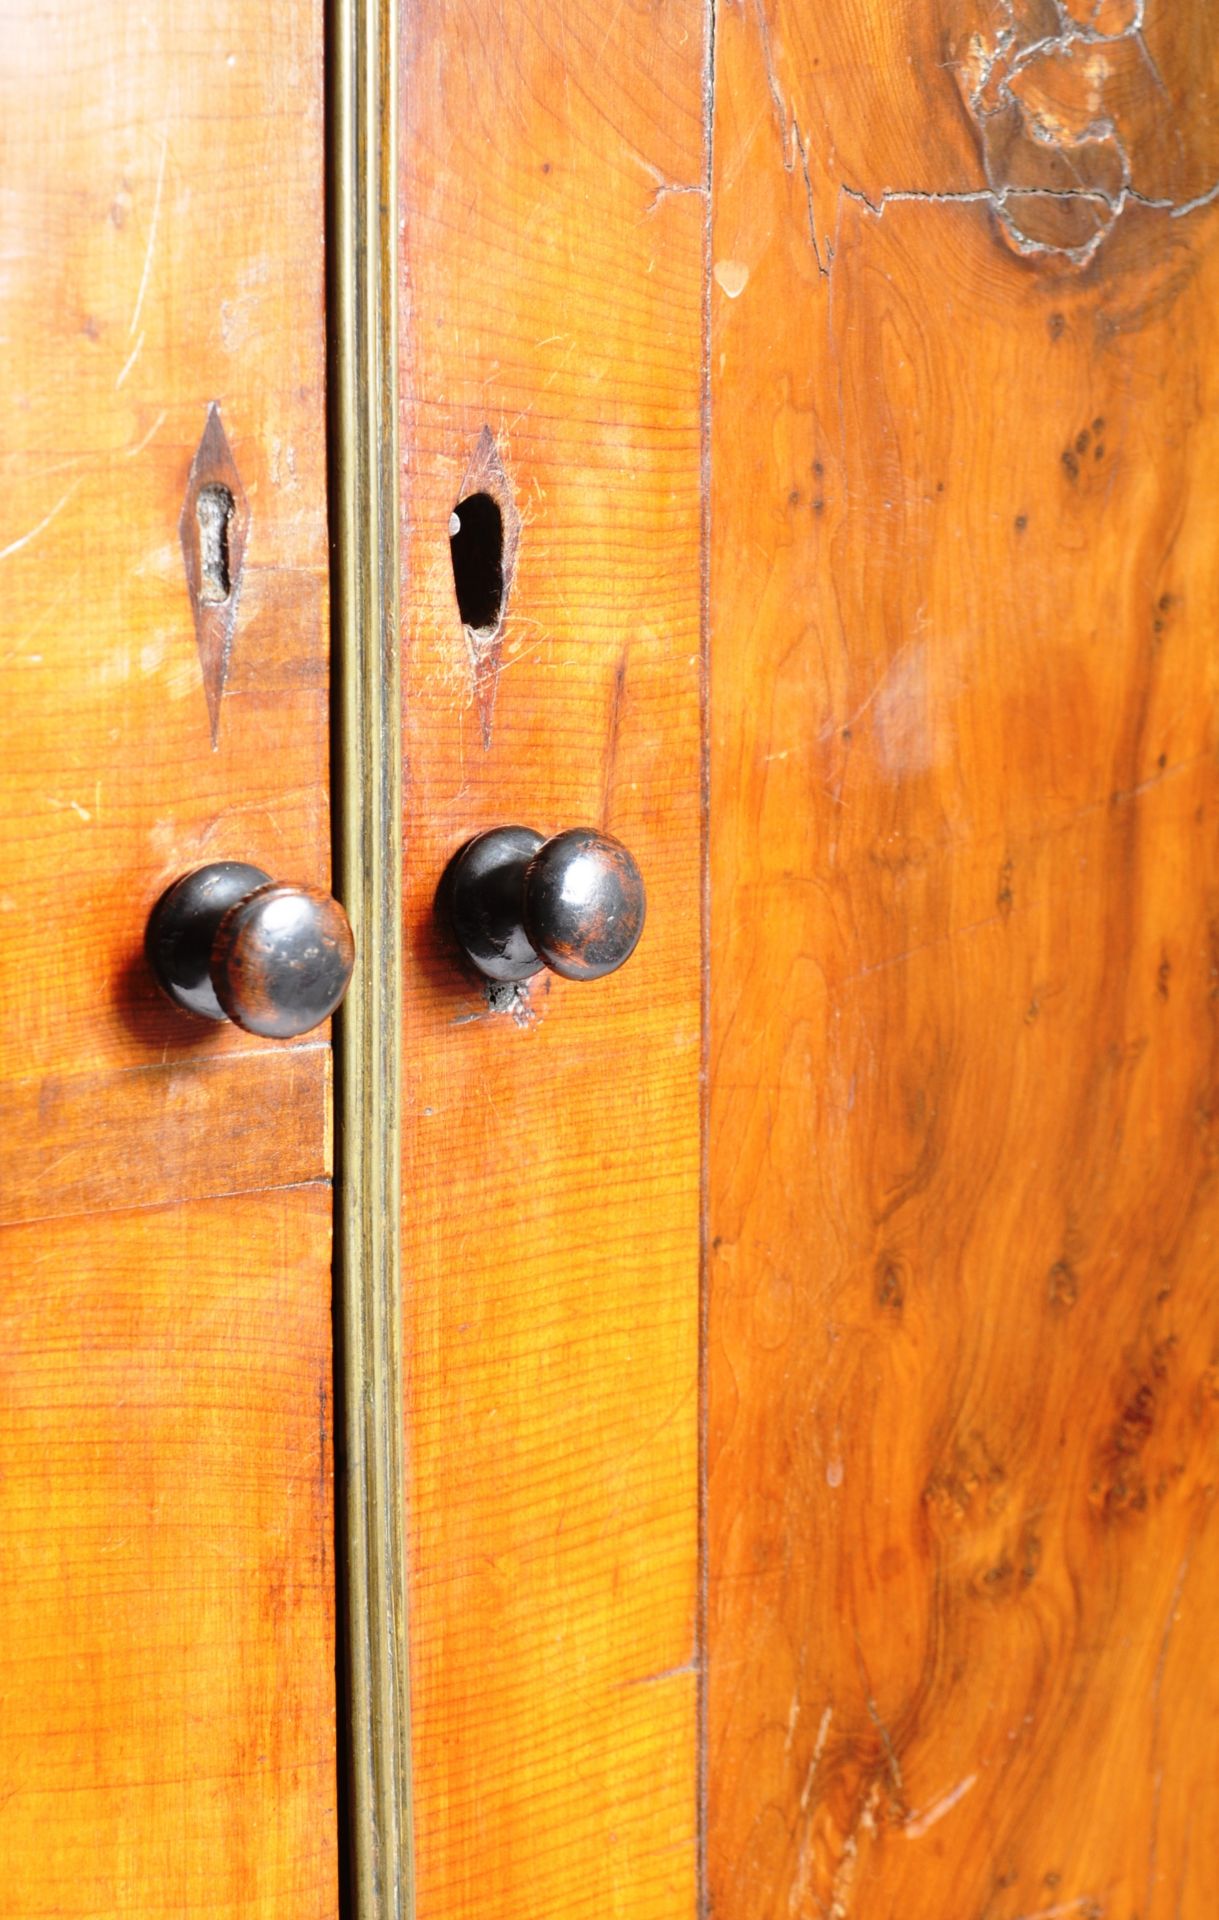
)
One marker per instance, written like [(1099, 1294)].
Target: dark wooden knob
[(518, 903), (229, 943)]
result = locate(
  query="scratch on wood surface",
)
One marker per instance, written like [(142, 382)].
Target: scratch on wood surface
[(923, 946), (684, 1668), (153, 223), (153, 430), (844, 1875), (130, 361), (823, 1734), (64, 806), (609, 32), (15, 546), (917, 1824)]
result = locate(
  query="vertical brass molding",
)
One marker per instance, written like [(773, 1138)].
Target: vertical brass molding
[(374, 1673)]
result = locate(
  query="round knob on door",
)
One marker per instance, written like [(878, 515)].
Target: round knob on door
[(230, 943), (518, 903)]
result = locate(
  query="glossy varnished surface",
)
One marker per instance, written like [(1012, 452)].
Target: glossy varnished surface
[(165, 1506), (552, 256), (963, 1556), (585, 904), (282, 960), (516, 903)]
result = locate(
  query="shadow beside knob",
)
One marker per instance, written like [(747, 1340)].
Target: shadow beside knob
[(518, 903), (228, 943)]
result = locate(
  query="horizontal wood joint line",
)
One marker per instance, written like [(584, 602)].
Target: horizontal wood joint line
[(167, 1205), (120, 1139)]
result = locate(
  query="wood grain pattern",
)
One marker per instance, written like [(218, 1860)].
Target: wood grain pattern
[(167, 1742), (166, 1612), (964, 1563), (163, 234), (552, 161), (149, 1136)]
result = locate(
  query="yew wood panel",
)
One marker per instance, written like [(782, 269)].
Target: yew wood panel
[(168, 1739), (196, 1129), (553, 167), (167, 1742), (163, 253), (964, 1324)]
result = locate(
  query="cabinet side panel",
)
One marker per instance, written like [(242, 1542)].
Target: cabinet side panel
[(963, 1554)]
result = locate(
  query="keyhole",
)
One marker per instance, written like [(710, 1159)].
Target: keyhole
[(476, 542), (214, 510)]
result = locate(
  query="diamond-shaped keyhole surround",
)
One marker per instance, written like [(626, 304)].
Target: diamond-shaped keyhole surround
[(213, 528)]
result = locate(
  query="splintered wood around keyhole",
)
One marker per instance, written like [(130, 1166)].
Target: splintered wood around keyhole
[(484, 532), (476, 542)]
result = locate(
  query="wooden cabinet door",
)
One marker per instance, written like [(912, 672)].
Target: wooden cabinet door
[(811, 1332), (167, 1733), (552, 327)]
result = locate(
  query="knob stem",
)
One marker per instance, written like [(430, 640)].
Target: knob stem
[(182, 931)]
